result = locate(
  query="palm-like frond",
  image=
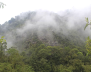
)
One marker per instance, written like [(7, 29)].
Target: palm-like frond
[(2, 5)]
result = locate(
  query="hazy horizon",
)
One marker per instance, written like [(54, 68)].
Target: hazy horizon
[(14, 8)]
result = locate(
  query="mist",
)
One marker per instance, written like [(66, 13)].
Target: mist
[(45, 23)]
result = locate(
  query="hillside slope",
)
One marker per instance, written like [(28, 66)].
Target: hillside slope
[(45, 27)]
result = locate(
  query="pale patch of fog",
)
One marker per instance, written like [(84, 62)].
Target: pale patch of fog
[(44, 23)]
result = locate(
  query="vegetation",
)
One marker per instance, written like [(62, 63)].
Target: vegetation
[(32, 53), (2, 5)]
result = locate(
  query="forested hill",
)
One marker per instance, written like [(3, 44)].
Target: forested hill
[(42, 41), (46, 27)]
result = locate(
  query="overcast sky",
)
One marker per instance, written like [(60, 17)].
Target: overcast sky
[(15, 7)]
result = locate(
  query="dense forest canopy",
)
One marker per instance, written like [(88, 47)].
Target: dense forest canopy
[(42, 41)]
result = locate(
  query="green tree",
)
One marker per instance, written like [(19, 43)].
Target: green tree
[(88, 41), (88, 46), (3, 46), (46, 59)]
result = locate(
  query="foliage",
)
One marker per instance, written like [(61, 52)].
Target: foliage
[(2, 5), (88, 23), (88, 45), (31, 54), (88, 41), (3, 46)]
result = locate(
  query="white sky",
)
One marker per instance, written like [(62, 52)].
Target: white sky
[(15, 7)]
